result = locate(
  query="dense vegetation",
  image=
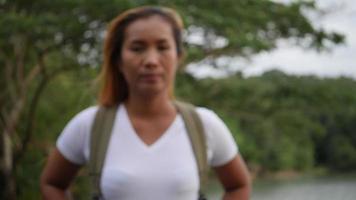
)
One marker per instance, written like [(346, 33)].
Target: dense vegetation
[(51, 49), (280, 122), (284, 122)]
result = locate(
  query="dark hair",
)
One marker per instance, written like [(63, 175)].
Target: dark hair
[(115, 89)]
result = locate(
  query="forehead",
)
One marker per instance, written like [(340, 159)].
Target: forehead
[(149, 28)]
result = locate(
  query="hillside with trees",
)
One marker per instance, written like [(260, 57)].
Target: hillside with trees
[(284, 122)]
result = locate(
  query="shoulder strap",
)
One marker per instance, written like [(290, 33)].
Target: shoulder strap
[(101, 132), (99, 140), (196, 134)]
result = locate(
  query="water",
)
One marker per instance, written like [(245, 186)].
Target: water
[(306, 188)]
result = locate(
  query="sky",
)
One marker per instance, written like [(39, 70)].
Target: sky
[(291, 59)]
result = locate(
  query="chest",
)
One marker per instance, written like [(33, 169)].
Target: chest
[(150, 130), (161, 170)]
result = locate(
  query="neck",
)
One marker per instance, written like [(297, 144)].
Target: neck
[(149, 106)]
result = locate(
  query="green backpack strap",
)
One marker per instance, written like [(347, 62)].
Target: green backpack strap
[(196, 134), (101, 133), (99, 140)]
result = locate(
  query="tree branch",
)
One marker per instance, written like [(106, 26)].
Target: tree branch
[(11, 121), (2, 119), (19, 59), (8, 77), (30, 120), (28, 133), (32, 74)]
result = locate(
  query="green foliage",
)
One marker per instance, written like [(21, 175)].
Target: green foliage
[(28, 171), (248, 26), (42, 41), (62, 99), (284, 122)]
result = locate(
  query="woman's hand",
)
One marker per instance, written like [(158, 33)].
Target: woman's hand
[(235, 179)]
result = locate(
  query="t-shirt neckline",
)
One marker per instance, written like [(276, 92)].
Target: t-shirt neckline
[(132, 132)]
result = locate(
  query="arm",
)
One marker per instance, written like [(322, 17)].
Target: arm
[(57, 176), (235, 179)]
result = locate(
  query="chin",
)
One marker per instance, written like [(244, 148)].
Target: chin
[(153, 91)]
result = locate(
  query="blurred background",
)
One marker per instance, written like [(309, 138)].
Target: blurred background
[(280, 73)]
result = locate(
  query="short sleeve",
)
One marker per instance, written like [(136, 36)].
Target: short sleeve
[(73, 142), (222, 147)]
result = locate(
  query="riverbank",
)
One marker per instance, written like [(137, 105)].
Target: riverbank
[(306, 186), (257, 173)]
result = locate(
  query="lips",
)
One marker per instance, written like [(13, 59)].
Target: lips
[(150, 77)]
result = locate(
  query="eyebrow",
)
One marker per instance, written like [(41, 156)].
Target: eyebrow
[(140, 41), (163, 39)]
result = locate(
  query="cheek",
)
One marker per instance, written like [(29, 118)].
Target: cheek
[(171, 70), (172, 61), (126, 66), (126, 58)]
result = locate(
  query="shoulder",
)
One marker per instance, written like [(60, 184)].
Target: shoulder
[(213, 125), (220, 142), (82, 120), (206, 113), (209, 117), (73, 140), (86, 115)]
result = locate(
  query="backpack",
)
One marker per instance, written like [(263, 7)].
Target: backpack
[(101, 132)]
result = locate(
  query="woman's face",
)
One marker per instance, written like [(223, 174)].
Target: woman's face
[(149, 57)]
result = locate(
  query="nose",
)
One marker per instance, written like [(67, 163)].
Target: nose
[(151, 58)]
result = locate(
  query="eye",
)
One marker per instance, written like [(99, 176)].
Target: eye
[(137, 48), (163, 47)]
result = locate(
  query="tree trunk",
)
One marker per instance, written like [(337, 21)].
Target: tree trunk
[(6, 153), (7, 177)]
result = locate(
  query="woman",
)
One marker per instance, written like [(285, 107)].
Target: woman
[(149, 155)]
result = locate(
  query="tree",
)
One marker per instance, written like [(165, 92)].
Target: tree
[(284, 122), (43, 38)]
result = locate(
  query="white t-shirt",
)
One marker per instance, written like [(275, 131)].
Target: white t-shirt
[(163, 170)]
